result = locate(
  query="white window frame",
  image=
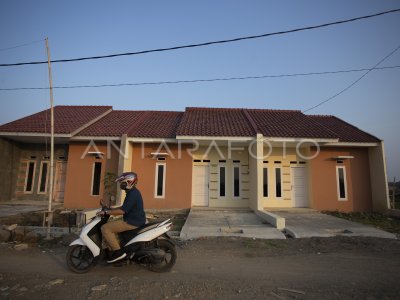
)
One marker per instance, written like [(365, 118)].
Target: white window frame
[(338, 183), (236, 165), (156, 181), (40, 177), (33, 176), (280, 171), (93, 169), (219, 180), (265, 166)]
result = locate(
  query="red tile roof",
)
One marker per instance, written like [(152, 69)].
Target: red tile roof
[(215, 122), (345, 131), (157, 124), (116, 123), (152, 124), (67, 119), (210, 122), (288, 123)]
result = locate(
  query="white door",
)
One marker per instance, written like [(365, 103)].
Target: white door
[(299, 187), (200, 186)]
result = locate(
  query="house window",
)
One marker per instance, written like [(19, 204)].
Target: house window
[(341, 183), (96, 179), (265, 182), (43, 175), (160, 180), (222, 180), (278, 182), (236, 181), (30, 176)]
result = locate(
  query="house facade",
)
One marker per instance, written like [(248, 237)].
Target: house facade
[(209, 157)]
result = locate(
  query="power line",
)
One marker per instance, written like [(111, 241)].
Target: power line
[(354, 82), (201, 80), (205, 44), (22, 45)]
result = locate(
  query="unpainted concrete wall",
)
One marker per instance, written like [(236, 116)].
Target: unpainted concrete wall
[(9, 164), (36, 153), (379, 184)]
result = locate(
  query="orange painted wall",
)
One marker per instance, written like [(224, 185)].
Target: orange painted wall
[(323, 180), (78, 186), (178, 178)]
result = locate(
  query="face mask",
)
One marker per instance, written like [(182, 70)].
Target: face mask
[(123, 186)]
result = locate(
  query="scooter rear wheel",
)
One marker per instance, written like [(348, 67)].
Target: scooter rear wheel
[(79, 259), (170, 256)]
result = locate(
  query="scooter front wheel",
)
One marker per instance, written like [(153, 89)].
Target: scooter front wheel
[(79, 259)]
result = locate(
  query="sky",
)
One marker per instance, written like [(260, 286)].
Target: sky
[(90, 28)]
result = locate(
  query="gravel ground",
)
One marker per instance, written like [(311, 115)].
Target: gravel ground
[(217, 268)]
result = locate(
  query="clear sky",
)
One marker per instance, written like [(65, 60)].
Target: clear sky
[(88, 28)]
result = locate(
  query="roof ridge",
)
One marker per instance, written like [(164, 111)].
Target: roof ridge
[(250, 120), (321, 116), (91, 122), (61, 105), (275, 110), (242, 108), (144, 110)]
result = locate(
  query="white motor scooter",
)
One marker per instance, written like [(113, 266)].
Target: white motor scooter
[(149, 245)]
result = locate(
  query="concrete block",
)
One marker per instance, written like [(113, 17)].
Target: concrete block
[(21, 247), (273, 219)]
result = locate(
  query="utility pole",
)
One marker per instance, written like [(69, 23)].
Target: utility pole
[(50, 213), (394, 193)]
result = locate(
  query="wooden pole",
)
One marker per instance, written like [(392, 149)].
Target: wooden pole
[(394, 193), (50, 214)]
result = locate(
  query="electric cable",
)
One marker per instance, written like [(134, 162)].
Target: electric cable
[(354, 82), (202, 80), (206, 43), (22, 45)]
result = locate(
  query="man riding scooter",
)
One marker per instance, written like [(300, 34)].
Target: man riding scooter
[(132, 211)]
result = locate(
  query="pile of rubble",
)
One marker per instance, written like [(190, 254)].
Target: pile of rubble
[(15, 233)]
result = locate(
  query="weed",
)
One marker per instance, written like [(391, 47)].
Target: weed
[(377, 220)]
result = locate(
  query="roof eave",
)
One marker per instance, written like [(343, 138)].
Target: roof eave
[(95, 138), (301, 139), (352, 144), (34, 134), (217, 138)]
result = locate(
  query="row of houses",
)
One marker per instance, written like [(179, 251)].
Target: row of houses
[(210, 157)]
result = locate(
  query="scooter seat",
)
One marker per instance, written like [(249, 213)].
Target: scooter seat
[(130, 234)]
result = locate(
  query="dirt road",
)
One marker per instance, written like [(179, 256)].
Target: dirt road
[(229, 268)]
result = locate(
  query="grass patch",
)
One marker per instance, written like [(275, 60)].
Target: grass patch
[(263, 244), (377, 220), (275, 244)]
